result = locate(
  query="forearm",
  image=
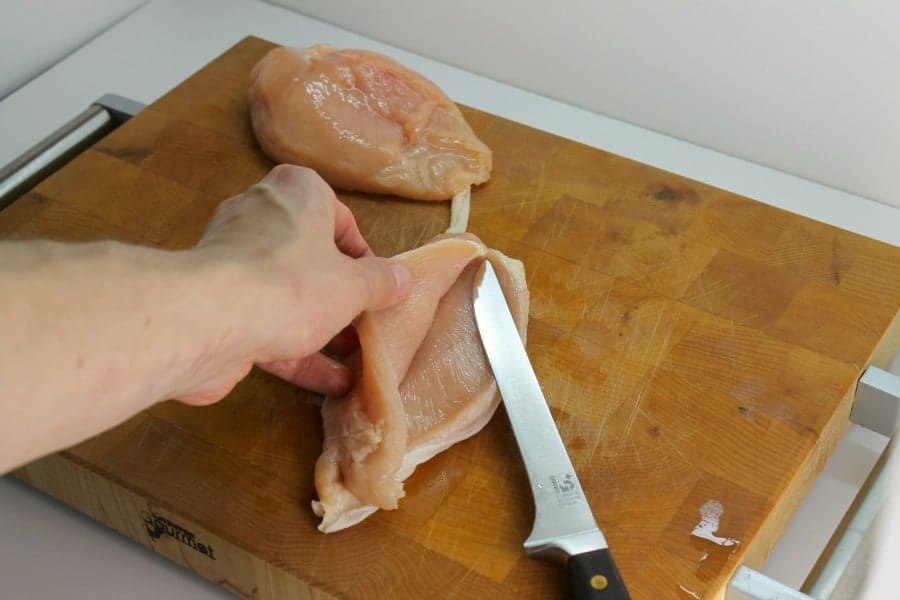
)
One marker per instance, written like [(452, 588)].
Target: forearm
[(92, 333)]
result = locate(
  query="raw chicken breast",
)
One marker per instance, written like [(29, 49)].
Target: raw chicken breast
[(423, 381), (364, 123)]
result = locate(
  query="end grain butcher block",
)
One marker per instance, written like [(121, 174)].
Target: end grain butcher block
[(699, 351)]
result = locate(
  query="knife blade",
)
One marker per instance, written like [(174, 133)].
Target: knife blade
[(564, 526)]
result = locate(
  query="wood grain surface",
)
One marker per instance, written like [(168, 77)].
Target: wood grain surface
[(696, 347)]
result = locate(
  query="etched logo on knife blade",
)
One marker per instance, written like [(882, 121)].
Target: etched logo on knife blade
[(566, 489)]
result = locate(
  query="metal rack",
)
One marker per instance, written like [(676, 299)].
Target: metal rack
[(875, 406), (61, 146)]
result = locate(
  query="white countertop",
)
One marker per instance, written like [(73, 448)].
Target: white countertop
[(47, 550)]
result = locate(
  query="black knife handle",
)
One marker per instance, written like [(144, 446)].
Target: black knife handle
[(593, 576)]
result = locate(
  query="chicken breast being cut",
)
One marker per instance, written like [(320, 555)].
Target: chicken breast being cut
[(364, 123), (423, 381)]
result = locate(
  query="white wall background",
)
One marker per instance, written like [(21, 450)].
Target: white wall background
[(811, 87), (35, 34)]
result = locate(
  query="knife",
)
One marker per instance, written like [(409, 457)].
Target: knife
[(564, 527)]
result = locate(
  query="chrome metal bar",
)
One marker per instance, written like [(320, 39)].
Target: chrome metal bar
[(755, 585), (827, 574), (52, 152), (62, 145), (876, 406)]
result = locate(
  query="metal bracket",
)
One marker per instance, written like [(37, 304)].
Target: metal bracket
[(877, 401), (61, 146), (876, 406), (119, 107)]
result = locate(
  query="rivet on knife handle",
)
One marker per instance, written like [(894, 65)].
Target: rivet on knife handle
[(594, 576)]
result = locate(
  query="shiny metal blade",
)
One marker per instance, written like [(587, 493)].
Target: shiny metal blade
[(563, 522)]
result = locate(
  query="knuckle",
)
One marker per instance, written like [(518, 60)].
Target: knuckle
[(298, 187)]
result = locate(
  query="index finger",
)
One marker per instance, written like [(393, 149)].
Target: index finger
[(347, 236)]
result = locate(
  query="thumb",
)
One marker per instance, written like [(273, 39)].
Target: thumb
[(384, 282)]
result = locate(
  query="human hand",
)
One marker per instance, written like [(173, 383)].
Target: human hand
[(300, 272)]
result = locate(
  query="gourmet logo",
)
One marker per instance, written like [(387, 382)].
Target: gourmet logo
[(157, 526)]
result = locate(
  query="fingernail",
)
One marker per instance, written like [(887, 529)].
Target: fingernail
[(402, 276)]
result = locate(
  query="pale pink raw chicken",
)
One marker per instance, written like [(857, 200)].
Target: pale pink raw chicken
[(423, 381), (364, 123)]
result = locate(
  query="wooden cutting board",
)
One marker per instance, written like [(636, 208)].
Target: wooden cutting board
[(699, 351)]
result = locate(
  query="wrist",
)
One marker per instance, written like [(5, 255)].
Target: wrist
[(211, 296)]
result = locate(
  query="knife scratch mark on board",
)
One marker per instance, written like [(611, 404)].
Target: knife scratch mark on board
[(632, 416), (318, 556), (461, 584), (598, 314), (636, 411), (564, 226), (541, 182), (709, 290), (610, 406), (650, 345), (667, 463), (674, 447), (597, 437), (431, 524), (505, 206), (733, 357), (646, 382), (471, 488), (558, 399)]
